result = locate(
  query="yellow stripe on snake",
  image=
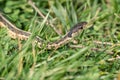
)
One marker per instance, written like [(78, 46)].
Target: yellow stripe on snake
[(14, 32)]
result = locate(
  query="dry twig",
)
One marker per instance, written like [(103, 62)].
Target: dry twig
[(93, 49)]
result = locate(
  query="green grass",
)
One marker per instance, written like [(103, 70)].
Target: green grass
[(65, 63)]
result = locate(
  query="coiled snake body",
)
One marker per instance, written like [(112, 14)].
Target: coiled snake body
[(14, 32)]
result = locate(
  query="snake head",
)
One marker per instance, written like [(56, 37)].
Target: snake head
[(77, 28)]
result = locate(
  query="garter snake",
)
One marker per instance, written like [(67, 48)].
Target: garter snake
[(14, 32)]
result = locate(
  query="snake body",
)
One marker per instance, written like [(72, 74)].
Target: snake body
[(14, 32)]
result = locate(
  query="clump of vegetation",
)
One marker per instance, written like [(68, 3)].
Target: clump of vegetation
[(96, 56)]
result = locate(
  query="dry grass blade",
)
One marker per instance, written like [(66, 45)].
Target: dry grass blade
[(40, 13)]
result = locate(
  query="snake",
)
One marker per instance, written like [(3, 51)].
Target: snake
[(15, 32)]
